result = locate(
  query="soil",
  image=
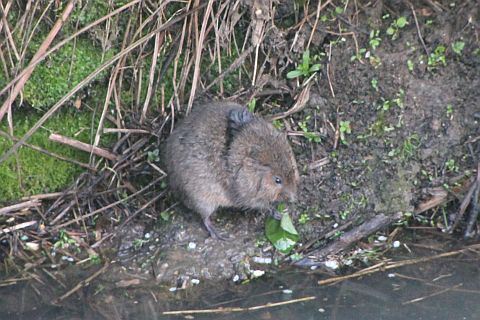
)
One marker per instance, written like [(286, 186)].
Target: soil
[(406, 126)]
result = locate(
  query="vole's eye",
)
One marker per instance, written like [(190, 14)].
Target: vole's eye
[(278, 180)]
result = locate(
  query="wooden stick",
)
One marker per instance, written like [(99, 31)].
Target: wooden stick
[(239, 309), (384, 266), (20, 206), (83, 146), (81, 284), (18, 226)]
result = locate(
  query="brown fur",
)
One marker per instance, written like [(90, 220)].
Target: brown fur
[(223, 156)]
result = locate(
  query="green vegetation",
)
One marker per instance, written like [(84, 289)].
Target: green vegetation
[(311, 136), (60, 72), (458, 46), (304, 69), (282, 234), (345, 129), (451, 166), (64, 241), (374, 40), (395, 26), (437, 58), (251, 105), (31, 172), (410, 65)]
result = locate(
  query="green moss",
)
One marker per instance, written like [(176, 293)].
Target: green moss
[(59, 73), (32, 172)]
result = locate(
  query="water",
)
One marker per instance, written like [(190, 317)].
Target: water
[(447, 288)]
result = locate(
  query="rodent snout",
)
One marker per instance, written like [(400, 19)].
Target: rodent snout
[(289, 196)]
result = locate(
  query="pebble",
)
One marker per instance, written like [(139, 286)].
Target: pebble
[(257, 273), (382, 238), (262, 260), (332, 264)]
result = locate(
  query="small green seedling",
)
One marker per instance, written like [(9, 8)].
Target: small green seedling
[(251, 105), (395, 27), (374, 83), (344, 129), (451, 166), (138, 243), (410, 65), (458, 46), (358, 55), (449, 110), (437, 58), (153, 156), (374, 40), (304, 69), (304, 218), (311, 136), (282, 234), (64, 241)]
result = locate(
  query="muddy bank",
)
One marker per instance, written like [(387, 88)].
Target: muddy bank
[(413, 124), (383, 109)]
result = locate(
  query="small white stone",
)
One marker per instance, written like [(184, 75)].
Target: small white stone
[(332, 264), (195, 281), (391, 275), (192, 245), (32, 246), (382, 238), (335, 226), (172, 289), (287, 291), (147, 235), (321, 310), (313, 267), (236, 278), (396, 244), (257, 273), (349, 262), (262, 260)]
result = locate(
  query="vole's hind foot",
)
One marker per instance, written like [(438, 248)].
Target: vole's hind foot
[(214, 233)]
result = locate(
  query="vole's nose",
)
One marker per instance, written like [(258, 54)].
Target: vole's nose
[(290, 196)]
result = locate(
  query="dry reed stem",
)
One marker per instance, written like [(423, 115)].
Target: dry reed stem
[(198, 54), (39, 59), (41, 50), (89, 78), (384, 266), (239, 309), (81, 284), (83, 146)]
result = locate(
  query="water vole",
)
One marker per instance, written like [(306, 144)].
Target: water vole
[(222, 155)]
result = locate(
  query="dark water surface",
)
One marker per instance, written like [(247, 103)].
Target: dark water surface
[(447, 288)]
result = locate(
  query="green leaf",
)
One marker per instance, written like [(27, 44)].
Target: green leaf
[(458, 47), (315, 67), (282, 240), (251, 105), (294, 74), (287, 224), (401, 22), (306, 57), (390, 31)]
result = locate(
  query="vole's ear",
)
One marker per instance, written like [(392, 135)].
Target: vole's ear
[(239, 117)]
